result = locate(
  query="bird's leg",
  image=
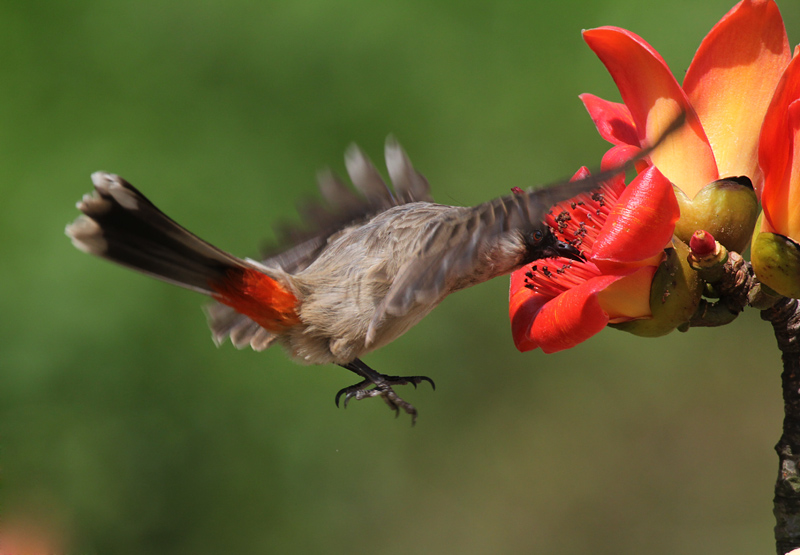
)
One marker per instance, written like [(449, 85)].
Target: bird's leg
[(382, 387)]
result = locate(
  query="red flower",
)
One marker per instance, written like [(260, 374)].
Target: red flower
[(725, 95), (775, 252), (779, 156), (557, 303)]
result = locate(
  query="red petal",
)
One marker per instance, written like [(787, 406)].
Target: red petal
[(731, 80), (774, 154), (561, 322), (522, 315), (582, 173), (523, 305), (517, 281), (612, 119), (640, 224), (615, 157), (618, 155), (781, 200), (572, 317), (655, 99), (792, 229)]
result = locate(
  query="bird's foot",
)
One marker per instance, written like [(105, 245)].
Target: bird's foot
[(376, 384)]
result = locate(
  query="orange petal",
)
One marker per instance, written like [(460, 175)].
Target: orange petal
[(655, 99), (781, 201), (731, 80), (774, 149), (612, 119), (629, 298), (640, 224)]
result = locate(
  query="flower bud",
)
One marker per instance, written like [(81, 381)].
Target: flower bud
[(702, 244), (726, 208), (707, 257), (776, 262), (674, 295)]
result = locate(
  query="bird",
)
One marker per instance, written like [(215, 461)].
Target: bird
[(368, 265)]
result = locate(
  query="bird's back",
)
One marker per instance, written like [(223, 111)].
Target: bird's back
[(328, 235), (341, 291)]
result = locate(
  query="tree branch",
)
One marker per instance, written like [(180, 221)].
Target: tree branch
[(785, 319), (731, 280)]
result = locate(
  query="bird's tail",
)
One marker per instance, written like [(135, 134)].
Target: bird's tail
[(121, 225)]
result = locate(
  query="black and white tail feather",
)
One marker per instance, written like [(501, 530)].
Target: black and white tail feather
[(121, 225)]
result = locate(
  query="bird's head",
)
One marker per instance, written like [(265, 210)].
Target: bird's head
[(543, 243)]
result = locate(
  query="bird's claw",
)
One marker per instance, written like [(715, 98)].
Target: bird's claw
[(382, 387)]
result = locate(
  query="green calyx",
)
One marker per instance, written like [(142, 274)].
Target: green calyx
[(776, 262), (674, 295), (726, 208)]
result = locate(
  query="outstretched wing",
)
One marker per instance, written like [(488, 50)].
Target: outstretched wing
[(471, 245), (340, 208), (465, 242)]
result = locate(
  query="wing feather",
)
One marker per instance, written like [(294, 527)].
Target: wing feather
[(464, 240), (340, 208)]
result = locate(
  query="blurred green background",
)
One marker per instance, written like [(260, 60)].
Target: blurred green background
[(123, 427)]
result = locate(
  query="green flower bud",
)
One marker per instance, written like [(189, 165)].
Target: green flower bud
[(674, 295), (726, 208), (776, 262)]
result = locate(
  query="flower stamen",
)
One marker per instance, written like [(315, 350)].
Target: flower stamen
[(577, 222)]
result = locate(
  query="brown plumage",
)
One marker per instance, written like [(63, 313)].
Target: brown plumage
[(368, 268)]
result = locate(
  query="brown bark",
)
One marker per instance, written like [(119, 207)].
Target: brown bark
[(785, 319)]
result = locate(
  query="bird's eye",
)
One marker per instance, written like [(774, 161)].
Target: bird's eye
[(538, 236)]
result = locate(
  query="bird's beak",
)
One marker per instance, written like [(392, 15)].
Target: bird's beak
[(565, 250)]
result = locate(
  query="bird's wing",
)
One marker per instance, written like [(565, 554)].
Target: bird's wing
[(340, 208), (465, 246), (464, 238)]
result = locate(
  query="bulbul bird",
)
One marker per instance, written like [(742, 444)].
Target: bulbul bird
[(367, 269)]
